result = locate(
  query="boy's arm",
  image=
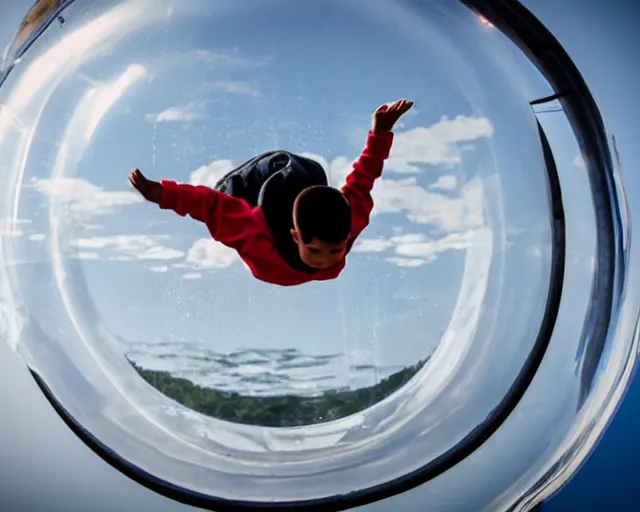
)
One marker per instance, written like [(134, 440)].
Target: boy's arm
[(366, 169), (230, 220)]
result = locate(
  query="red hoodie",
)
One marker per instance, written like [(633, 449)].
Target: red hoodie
[(234, 223)]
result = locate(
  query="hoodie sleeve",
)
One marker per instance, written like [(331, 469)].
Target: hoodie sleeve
[(366, 169), (230, 220)]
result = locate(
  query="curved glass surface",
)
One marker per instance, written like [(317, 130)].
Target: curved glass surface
[(132, 319)]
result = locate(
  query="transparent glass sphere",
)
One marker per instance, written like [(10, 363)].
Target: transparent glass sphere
[(452, 340)]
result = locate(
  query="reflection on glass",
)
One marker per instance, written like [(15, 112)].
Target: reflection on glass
[(158, 341), (457, 246), (41, 13)]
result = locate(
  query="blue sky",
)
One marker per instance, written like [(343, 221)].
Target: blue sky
[(191, 98), (191, 104)]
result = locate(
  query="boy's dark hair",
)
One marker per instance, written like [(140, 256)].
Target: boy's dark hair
[(322, 212)]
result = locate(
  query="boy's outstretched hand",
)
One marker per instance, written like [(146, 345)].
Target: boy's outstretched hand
[(387, 115), (150, 190)]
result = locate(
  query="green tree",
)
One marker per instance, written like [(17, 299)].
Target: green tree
[(275, 411)]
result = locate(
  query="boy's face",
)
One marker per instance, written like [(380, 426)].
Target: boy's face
[(319, 254)]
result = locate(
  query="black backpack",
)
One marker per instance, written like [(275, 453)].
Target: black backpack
[(272, 181)]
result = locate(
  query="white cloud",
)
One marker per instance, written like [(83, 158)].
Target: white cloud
[(37, 237), (415, 249), (406, 262), (208, 175), (88, 255), (192, 275), (83, 197), (535, 252), (233, 87), (435, 145), (10, 228), (446, 182), (439, 144), (426, 248), (408, 238), (194, 111), (422, 206), (129, 247), (578, 161), (197, 110), (159, 268), (158, 252), (207, 253), (337, 169), (373, 245), (231, 60), (10, 233)]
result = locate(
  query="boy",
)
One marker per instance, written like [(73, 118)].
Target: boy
[(277, 210)]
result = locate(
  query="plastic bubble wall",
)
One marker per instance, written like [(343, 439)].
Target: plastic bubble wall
[(482, 332)]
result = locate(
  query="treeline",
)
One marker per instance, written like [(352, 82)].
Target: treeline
[(275, 411)]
